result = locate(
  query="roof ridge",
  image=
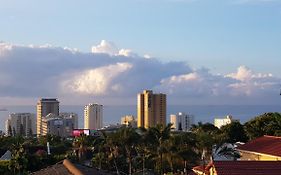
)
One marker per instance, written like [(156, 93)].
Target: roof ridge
[(277, 137)]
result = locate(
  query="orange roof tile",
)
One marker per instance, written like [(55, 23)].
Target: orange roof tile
[(267, 145)]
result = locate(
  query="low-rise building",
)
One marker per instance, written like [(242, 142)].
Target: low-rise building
[(239, 168), (129, 120), (219, 122), (262, 148)]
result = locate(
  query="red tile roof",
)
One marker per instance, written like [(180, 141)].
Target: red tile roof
[(267, 145), (248, 167)]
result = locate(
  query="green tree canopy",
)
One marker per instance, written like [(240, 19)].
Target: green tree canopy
[(234, 132), (266, 124)]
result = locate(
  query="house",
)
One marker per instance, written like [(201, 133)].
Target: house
[(239, 168), (262, 148), (68, 168)]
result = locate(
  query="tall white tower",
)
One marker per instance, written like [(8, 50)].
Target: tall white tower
[(93, 116)]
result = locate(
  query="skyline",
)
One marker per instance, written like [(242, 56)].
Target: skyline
[(197, 52)]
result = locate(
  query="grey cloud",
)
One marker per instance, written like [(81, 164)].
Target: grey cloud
[(35, 71)]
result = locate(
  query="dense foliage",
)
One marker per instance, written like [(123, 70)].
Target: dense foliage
[(130, 150)]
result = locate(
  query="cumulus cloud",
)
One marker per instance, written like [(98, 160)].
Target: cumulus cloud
[(240, 85), (107, 47), (38, 71), (96, 81)]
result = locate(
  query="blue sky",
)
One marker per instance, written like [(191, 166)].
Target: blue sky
[(219, 35)]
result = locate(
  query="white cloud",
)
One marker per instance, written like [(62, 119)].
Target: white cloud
[(97, 81), (110, 48), (105, 47)]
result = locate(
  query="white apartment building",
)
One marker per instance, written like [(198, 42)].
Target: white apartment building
[(21, 124), (93, 116), (181, 121), (219, 122)]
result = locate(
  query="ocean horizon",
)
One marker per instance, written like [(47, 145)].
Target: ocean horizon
[(112, 114)]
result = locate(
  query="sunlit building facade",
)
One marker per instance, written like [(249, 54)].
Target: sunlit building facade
[(93, 116), (151, 109), (45, 106)]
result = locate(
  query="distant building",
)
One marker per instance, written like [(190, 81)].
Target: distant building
[(151, 109), (181, 121), (45, 106), (72, 116), (21, 124), (93, 116), (129, 120), (219, 122), (61, 125)]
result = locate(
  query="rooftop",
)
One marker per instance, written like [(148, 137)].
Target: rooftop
[(270, 145), (67, 168), (248, 167)]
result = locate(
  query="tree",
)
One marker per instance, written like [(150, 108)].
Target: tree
[(159, 135), (234, 132), (14, 132), (10, 131), (81, 144), (22, 133), (19, 156), (265, 124), (129, 138)]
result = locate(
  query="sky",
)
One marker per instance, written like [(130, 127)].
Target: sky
[(107, 51)]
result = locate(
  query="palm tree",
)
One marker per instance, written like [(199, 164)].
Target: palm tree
[(159, 135), (81, 143), (128, 138)]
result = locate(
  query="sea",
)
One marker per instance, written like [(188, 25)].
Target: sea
[(113, 114)]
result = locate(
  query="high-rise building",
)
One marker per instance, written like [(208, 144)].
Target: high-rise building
[(181, 121), (61, 125), (21, 124), (151, 109), (93, 116), (45, 106)]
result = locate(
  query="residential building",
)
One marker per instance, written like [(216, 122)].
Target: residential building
[(151, 109), (129, 120), (219, 122), (61, 125), (262, 148), (93, 116), (181, 121), (21, 124), (45, 106), (72, 116), (239, 168), (66, 167)]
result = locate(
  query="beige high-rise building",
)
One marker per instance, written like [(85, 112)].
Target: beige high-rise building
[(151, 109), (45, 106), (93, 116)]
